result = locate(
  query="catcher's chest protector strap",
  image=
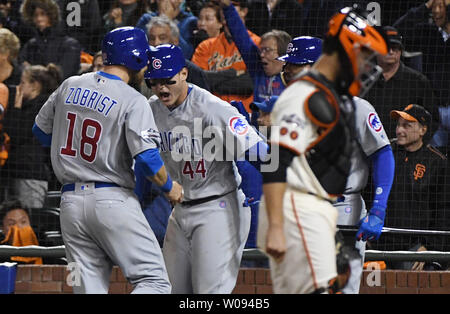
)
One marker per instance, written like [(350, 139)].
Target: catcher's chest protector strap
[(329, 155)]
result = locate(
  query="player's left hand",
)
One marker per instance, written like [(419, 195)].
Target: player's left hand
[(176, 193), (370, 228)]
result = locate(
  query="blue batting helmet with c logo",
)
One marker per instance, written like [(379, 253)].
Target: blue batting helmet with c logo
[(165, 61), (126, 46), (303, 50)]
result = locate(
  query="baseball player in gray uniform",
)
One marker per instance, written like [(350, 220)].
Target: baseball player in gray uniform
[(96, 124), (371, 146), (207, 232)]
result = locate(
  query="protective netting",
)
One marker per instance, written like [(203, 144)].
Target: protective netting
[(68, 34)]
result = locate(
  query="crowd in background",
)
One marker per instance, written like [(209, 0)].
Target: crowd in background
[(42, 42)]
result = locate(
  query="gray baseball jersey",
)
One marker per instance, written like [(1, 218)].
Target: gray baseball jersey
[(370, 136), (98, 124), (199, 141), (97, 129)]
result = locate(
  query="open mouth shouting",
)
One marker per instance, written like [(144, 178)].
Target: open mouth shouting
[(164, 97)]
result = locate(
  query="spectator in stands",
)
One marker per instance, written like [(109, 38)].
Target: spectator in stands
[(17, 230), (441, 138), (3, 19), (316, 15), (400, 86), (185, 21), (265, 72), (50, 44), (261, 61), (97, 63), (82, 20), (10, 9), (124, 13), (10, 73), (210, 23), (420, 192), (266, 15), (10, 70), (28, 166), (220, 53), (162, 30), (432, 39)]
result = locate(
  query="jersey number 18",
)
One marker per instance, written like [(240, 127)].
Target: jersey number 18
[(86, 140)]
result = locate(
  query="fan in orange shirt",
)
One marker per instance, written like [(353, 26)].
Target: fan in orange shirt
[(219, 52)]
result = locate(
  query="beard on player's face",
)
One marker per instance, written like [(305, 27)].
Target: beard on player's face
[(136, 77)]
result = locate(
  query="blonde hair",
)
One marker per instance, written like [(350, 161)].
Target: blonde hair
[(9, 44)]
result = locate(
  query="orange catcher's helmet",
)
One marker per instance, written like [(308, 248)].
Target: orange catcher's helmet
[(356, 37)]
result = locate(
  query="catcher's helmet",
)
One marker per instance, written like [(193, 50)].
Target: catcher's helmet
[(303, 50), (165, 61), (352, 32), (126, 46)]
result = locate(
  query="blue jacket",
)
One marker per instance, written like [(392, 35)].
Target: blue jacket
[(264, 86)]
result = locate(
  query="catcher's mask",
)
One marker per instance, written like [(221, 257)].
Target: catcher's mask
[(358, 43)]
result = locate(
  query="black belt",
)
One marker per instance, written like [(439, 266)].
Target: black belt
[(203, 200), (322, 198)]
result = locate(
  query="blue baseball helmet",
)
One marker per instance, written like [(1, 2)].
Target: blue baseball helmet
[(126, 46), (303, 50), (165, 61)]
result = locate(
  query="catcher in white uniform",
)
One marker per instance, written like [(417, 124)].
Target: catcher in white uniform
[(313, 126), (201, 136)]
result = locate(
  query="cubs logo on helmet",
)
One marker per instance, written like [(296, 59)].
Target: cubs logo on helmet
[(303, 50), (165, 60), (156, 64)]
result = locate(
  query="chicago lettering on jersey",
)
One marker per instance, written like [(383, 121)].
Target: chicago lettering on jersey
[(180, 143), (89, 99)]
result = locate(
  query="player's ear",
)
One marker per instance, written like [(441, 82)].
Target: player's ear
[(184, 74), (423, 129)]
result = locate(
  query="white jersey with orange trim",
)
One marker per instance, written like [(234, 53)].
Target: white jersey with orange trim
[(297, 132), (309, 218)]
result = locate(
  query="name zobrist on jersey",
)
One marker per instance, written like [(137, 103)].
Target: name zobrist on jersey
[(90, 99)]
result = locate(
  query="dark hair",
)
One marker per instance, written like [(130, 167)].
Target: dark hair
[(9, 205), (49, 76), (213, 5), (49, 6), (142, 7)]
